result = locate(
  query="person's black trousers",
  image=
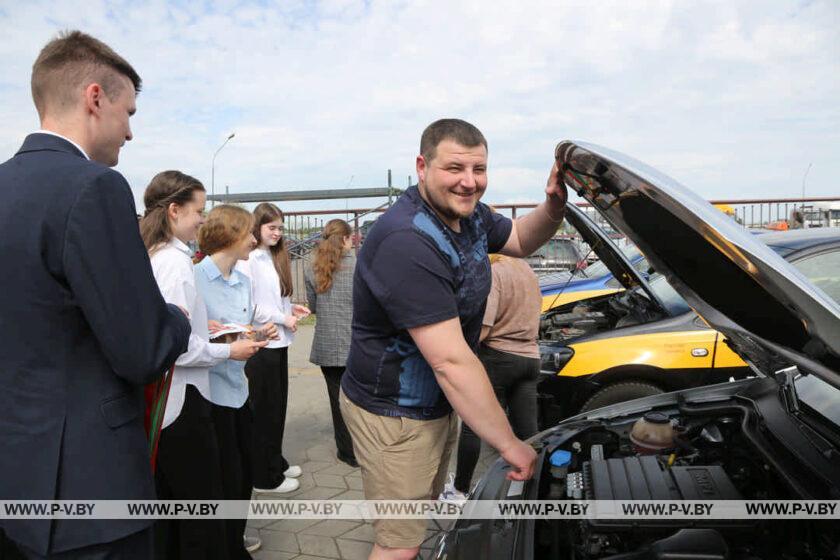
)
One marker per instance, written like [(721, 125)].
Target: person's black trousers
[(233, 430), (268, 388), (343, 440), (514, 379), (189, 467), (137, 546)]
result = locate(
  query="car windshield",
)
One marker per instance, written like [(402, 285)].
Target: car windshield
[(824, 271), (820, 396), (674, 302), (558, 249), (598, 269)]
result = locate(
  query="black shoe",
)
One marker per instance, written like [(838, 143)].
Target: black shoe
[(348, 460)]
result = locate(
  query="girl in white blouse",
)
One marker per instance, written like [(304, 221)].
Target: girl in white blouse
[(269, 269), (188, 453)]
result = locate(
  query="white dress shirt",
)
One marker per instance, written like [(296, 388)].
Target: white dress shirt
[(270, 306), (173, 270)]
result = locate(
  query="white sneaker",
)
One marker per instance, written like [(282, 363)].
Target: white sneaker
[(450, 494), (289, 485), (293, 471), (252, 544)]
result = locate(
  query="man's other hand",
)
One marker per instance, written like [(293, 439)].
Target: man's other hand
[(555, 189), (521, 457)]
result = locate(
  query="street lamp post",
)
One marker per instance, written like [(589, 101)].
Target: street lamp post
[(213, 169)]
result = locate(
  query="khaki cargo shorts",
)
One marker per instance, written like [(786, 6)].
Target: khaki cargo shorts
[(401, 459)]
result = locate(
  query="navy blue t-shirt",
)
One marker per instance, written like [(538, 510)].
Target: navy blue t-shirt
[(413, 271)]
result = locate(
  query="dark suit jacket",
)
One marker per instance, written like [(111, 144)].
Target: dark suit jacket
[(82, 328)]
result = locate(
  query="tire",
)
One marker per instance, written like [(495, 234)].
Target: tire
[(620, 392)]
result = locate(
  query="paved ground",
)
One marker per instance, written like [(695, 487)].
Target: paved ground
[(309, 443)]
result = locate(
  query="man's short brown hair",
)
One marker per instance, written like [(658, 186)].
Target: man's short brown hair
[(72, 61), (456, 130)]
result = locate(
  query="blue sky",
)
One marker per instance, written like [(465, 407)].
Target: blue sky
[(732, 99)]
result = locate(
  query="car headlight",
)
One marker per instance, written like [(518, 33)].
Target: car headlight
[(553, 356)]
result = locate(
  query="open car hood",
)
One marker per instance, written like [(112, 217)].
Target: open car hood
[(612, 257), (739, 285)]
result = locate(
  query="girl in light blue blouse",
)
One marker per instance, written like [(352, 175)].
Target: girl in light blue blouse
[(226, 238)]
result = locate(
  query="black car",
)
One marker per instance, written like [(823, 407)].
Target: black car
[(775, 435)]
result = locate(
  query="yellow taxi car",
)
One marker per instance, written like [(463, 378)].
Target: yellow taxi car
[(641, 340)]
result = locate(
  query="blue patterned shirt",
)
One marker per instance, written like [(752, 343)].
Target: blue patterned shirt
[(412, 271)]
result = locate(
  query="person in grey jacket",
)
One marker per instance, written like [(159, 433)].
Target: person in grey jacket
[(329, 289)]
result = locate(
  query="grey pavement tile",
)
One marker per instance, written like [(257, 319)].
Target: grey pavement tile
[(331, 527), (306, 479), (353, 550), (353, 482), (317, 545), (279, 540), (320, 453), (340, 469), (272, 555), (350, 495), (316, 466), (291, 525), (361, 533), (308, 557), (329, 480), (259, 523), (318, 493)]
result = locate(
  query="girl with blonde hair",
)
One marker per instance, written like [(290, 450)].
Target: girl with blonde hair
[(329, 291)]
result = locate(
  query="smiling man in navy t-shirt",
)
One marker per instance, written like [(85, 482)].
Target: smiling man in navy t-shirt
[(422, 280)]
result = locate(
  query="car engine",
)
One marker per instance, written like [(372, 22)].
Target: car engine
[(693, 455), (568, 322)]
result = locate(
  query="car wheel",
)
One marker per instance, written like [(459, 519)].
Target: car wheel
[(620, 392)]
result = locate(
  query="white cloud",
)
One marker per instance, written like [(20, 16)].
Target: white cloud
[(732, 100)]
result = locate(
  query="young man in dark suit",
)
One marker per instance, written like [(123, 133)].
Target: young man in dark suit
[(83, 326)]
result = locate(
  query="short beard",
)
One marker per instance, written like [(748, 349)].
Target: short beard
[(442, 211)]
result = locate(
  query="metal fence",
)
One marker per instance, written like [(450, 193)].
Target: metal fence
[(302, 229)]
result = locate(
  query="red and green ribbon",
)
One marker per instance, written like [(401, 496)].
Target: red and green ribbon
[(157, 394)]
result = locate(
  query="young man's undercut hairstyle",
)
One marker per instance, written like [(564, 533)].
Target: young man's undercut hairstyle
[(456, 130), (72, 61)]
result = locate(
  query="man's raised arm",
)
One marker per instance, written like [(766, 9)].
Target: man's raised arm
[(535, 228)]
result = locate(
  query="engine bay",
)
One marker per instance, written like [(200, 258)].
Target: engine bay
[(708, 453), (575, 320)]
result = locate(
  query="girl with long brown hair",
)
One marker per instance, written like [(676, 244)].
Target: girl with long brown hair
[(269, 269), (329, 289), (189, 462)]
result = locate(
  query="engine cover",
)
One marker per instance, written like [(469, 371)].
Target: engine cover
[(647, 478)]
